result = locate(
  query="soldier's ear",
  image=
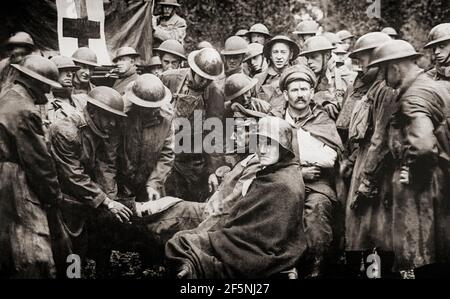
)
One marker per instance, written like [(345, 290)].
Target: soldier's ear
[(285, 95)]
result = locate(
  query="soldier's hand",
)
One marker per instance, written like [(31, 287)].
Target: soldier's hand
[(184, 272), (120, 211), (213, 183), (311, 173), (153, 194), (332, 111)]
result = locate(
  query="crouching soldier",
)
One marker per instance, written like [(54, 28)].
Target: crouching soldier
[(85, 148), (317, 144)]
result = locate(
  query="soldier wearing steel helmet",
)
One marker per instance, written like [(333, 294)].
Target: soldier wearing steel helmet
[(125, 60), (85, 147), (419, 145), (17, 46), (197, 96), (86, 59), (172, 54), (233, 55), (255, 60), (169, 25), (29, 186), (258, 33)]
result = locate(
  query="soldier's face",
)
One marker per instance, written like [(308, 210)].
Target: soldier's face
[(394, 75), (84, 73), (168, 10), (299, 95), (258, 38), (156, 70), (268, 151), (170, 62), (65, 78), (280, 55), (316, 61), (442, 52), (16, 54), (107, 122), (124, 64), (200, 82), (347, 44), (233, 62), (255, 63), (364, 60)]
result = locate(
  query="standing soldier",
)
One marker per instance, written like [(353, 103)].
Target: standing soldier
[(126, 64), (439, 42), (62, 103), (331, 82), (346, 38), (29, 188), (258, 33), (233, 55), (368, 212), (18, 46), (317, 144), (86, 59), (169, 25), (305, 30), (280, 51), (172, 54), (196, 98), (418, 140), (148, 139), (256, 62)]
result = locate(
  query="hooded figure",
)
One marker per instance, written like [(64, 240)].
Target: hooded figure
[(262, 234)]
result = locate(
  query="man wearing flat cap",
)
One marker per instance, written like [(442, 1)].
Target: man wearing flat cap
[(317, 144), (125, 61)]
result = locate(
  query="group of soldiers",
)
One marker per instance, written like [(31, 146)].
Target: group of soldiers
[(352, 155)]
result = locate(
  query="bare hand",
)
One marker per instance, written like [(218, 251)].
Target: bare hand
[(311, 173), (213, 183), (120, 211)]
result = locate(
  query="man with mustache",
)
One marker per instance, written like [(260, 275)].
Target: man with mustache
[(172, 54), (61, 103), (256, 62), (331, 81), (420, 147), (86, 59), (18, 46), (169, 25), (196, 98), (281, 51), (125, 61), (317, 144)]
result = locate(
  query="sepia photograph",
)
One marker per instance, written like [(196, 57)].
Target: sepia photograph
[(246, 141)]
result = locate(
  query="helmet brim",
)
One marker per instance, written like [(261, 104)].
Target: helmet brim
[(305, 32), (86, 62), (235, 52), (133, 55), (392, 58), (36, 76), (133, 98), (436, 41), (354, 54), (252, 84), (316, 51), (170, 52), (100, 105), (292, 45)]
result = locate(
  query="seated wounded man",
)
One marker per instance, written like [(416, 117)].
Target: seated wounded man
[(262, 234)]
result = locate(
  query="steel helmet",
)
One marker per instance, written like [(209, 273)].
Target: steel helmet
[(316, 44), (64, 63), (85, 56), (39, 68), (237, 85), (307, 27), (155, 61), (170, 3), (254, 49), (281, 39), (242, 32), (235, 45), (207, 63), (259, 28), (107, 99), (332, 37), (276, 129), (390, 31), (148, 91), (393, 50), (125, 51), (344, 34), (172, 46), (369, 41), (438, 34), (20, 39), (204, 44)]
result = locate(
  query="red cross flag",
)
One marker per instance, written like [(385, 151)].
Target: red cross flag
[(81, 23)]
